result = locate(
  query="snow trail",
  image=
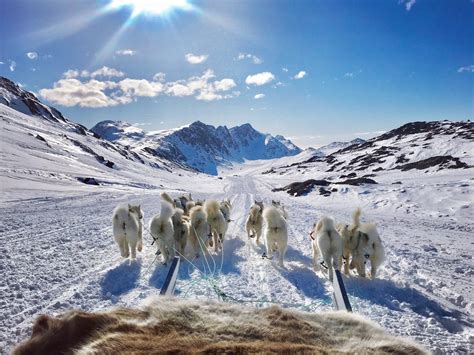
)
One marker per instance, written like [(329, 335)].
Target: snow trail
[(70, 261)]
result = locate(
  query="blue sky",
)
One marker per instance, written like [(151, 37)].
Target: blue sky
[(315, 71)]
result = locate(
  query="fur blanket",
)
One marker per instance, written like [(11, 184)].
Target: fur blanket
[(178, 326)]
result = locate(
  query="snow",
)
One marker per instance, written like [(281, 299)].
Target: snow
[(57, 251), (198, 145)]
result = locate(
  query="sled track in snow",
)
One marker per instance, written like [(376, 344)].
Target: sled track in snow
[(73, 267)]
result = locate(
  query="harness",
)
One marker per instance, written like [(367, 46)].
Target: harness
[(226, 217)]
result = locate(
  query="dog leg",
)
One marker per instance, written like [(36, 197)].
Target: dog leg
[(133, 247), (373, 269), (327, 261), (216, 241), (126, 251), (346, 264), (360, 266)]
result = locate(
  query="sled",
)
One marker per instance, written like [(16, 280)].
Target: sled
[(339, 296), (170, 282)]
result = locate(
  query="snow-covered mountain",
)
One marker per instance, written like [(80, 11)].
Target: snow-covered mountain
[(335, 146), (426, 146), (198, 145), (40, 144)]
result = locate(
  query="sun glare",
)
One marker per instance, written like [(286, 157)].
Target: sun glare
[(152, 7)]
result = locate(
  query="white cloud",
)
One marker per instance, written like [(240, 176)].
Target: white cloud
[(12, 65), (224, 84), (468, 69), (408, 3), (72, 91), (105, 71), (71, 73), (259, 96), (140, 87), (1, 63), (159, 77), (349, 75), (254, 58), (196, 59), (285, 70), (32, 55), (301, 74), (260, 78), (126, 52)]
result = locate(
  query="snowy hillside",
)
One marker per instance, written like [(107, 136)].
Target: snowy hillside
[(335, 146), (40, 146), (198, 145)]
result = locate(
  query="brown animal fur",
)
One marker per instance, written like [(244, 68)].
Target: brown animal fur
[(177, 326)]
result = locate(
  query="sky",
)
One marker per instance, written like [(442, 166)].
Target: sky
[(314, 71)]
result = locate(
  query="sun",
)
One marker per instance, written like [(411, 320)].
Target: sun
[(151, 7)]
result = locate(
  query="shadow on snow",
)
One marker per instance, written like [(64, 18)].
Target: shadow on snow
[(121, 279), (397, 298)]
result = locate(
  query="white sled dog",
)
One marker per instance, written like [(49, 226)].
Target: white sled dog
[(217, 223), (254, 224), (327, 245), (369, 247), (199, 230), (181, 230), (351, 237), (167, 198), (128, 229), (161, 228), (226, 208), (275, 232), (281, 208)]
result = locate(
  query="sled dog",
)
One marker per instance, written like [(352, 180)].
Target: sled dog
[(189, 205), (350, 240), (275, 232), (281, 208), (181, 230), (127, 229), (327, 245), (369, 247), (199, 230), (184, 202), (161, 228), (164, 196), (217, 223), (254, 222)]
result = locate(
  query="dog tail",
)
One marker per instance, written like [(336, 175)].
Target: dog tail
[(325, 224), (254, 211), (212, 207), (167, 198), (178, 214), (167, 210), (190, 204), (197, 215), (272, 216), (356, 218)]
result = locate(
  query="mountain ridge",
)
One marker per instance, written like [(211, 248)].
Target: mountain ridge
[(200, 145)]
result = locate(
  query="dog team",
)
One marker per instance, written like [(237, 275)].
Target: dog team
[(204, 224), (201, 223)]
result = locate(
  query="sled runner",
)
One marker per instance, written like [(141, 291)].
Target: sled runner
[(170, 281), (339, 296)]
